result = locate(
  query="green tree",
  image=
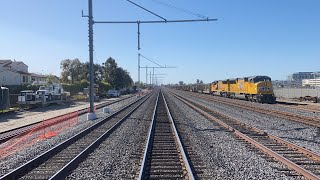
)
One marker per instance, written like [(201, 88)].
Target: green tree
[(50, 79), (98, 72), (71, 69), (122, 78), (110, 68)]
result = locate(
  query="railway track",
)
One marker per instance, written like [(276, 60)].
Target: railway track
[(60, 160), (164, 156), (20, 131), (299, 161), (308, 107), (251, 107)]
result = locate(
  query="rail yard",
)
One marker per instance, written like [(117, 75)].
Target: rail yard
[(159, 89), (168, 134)]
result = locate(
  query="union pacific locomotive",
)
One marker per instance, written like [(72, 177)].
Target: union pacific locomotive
[(255, 88)]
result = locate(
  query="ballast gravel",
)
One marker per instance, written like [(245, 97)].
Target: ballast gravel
[(224, 156), (13, 161), (294, 132), (118, 157)]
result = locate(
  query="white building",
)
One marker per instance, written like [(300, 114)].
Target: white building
[(311, 82), (16, 73), (13, 73)]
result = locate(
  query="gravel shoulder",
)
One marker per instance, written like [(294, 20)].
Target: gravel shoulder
[(224, 156), (295, 132)]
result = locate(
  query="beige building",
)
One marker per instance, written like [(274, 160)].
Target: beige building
[(311, 82), (16, 73)]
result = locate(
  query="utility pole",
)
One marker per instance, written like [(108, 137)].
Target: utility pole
[(139, 74), (91, 115), (150, 79), (146, 75)]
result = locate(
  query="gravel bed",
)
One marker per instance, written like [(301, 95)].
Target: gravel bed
[(295, 132), (282, 108), (13, 161), (223, 155), (118, 157), (276, 107)]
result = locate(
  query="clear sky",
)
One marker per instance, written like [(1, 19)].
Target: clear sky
[(270, 37)]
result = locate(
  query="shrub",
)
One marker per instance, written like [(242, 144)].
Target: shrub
[(104, 86)]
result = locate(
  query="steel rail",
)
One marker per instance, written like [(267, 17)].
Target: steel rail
[(307, 152), (286, 115), (307, 174), (82, 155), (184, 157), (309, 108), (148, 139), (176, 136), (15, 132), (25, 168)]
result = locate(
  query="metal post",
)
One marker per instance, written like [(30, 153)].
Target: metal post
[(152, 74), (91, 115), (146, 75), (150, 79), (139, 74)]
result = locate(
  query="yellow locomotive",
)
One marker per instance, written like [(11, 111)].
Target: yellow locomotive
[(255, 88)]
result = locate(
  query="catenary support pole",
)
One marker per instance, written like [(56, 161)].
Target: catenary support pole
[(146, 75), (139, 74), (91, 115)]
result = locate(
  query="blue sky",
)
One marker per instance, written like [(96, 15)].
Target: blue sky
[(251, 37)]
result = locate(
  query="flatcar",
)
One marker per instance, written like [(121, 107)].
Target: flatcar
[(254, 88)]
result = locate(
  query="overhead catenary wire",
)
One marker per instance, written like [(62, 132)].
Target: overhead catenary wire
[(179, 9), (146, 10), (149, 59)]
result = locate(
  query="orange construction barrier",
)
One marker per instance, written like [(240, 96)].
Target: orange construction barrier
[(44, 130)]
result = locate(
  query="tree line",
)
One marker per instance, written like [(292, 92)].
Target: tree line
[(74, 71)]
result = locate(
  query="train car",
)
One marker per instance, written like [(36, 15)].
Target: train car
[(233, 88), (254, 88), (259, 89)]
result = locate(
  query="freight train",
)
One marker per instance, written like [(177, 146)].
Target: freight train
[(254, 88)]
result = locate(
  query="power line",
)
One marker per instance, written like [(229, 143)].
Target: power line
[(150, 60), (146, 9), (179, 9)]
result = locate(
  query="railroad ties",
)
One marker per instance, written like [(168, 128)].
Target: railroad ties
[(164, 155), (59, 161), (299, 161)]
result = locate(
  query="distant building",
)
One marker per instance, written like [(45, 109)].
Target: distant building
[(299, 76), (16, 73), (311, 82)]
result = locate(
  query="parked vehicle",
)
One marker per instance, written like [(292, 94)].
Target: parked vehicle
[(45, 95), (52, 91), (113, 93), (96, 92)]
